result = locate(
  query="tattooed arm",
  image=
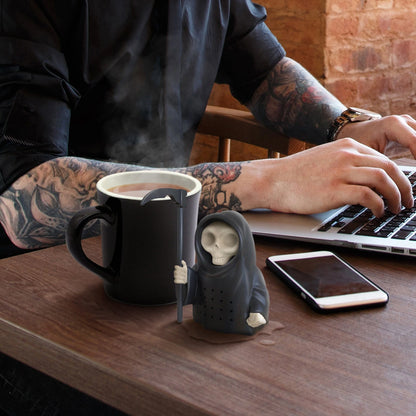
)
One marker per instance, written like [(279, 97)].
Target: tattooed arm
[(291, 101), (36, 209)]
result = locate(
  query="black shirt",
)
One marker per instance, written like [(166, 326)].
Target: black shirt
[(124, 80)]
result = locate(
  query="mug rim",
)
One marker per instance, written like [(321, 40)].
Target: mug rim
[(151, 175)]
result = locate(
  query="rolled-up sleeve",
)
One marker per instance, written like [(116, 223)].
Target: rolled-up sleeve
[(250, 52), (35, 106)]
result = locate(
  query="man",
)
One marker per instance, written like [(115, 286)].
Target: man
[(83, 82)]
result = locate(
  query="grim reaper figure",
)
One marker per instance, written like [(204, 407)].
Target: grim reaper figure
[(226, 288)]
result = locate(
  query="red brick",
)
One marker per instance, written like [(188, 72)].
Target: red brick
[(401, 82), (404, 5), (342, 26), (358, 60), (342, 6), (404, 53), (377, 4), (403, 25), (364, 59), (375, 26)]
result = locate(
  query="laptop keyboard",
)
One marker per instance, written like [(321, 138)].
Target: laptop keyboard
[(355, 219)]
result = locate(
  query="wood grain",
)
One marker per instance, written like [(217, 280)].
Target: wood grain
[(56, 318)]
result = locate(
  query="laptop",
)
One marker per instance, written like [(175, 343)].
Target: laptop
[(350, 226)]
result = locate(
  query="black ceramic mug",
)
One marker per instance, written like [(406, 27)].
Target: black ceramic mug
[(148, 222)]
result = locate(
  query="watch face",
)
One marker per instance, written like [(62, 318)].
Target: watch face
[(358, 114)]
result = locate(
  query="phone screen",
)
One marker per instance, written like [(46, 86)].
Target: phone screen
[(325, 276)]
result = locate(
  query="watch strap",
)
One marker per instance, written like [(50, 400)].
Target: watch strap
[(350, 115)]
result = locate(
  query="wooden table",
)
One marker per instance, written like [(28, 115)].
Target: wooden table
[(55, 317)]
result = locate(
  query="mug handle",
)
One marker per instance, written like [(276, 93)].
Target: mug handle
[(74, 236)]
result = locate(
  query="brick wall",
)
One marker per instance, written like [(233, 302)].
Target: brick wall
[(370, 54), (364, 51)]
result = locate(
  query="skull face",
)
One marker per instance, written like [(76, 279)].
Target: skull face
[(221, 241)]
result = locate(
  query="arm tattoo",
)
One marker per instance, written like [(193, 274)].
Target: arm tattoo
[(36, 209), (293, 102), (214, 177)]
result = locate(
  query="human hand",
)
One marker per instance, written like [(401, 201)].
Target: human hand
[(329, 176), (255, 319), (180, 273), (378, 133)]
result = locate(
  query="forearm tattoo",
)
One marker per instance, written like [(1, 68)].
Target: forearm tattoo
[(36, 209), (293, 102), (214, 177)]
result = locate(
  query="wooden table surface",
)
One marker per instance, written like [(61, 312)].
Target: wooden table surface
[(55, 317)]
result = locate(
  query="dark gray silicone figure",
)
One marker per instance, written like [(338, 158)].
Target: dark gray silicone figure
[(226, 288)]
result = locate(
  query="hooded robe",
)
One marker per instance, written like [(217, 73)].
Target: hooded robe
[(224, 296)]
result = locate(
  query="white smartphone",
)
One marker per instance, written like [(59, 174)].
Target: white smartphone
[(326, 282)]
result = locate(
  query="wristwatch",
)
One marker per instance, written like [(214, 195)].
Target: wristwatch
[(350, 115)]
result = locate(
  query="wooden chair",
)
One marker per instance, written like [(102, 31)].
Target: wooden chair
[(231, 124)]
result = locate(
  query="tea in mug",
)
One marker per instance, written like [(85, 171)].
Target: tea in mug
[(139, 190)]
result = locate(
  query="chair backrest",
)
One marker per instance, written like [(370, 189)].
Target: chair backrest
[(231, 124)]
